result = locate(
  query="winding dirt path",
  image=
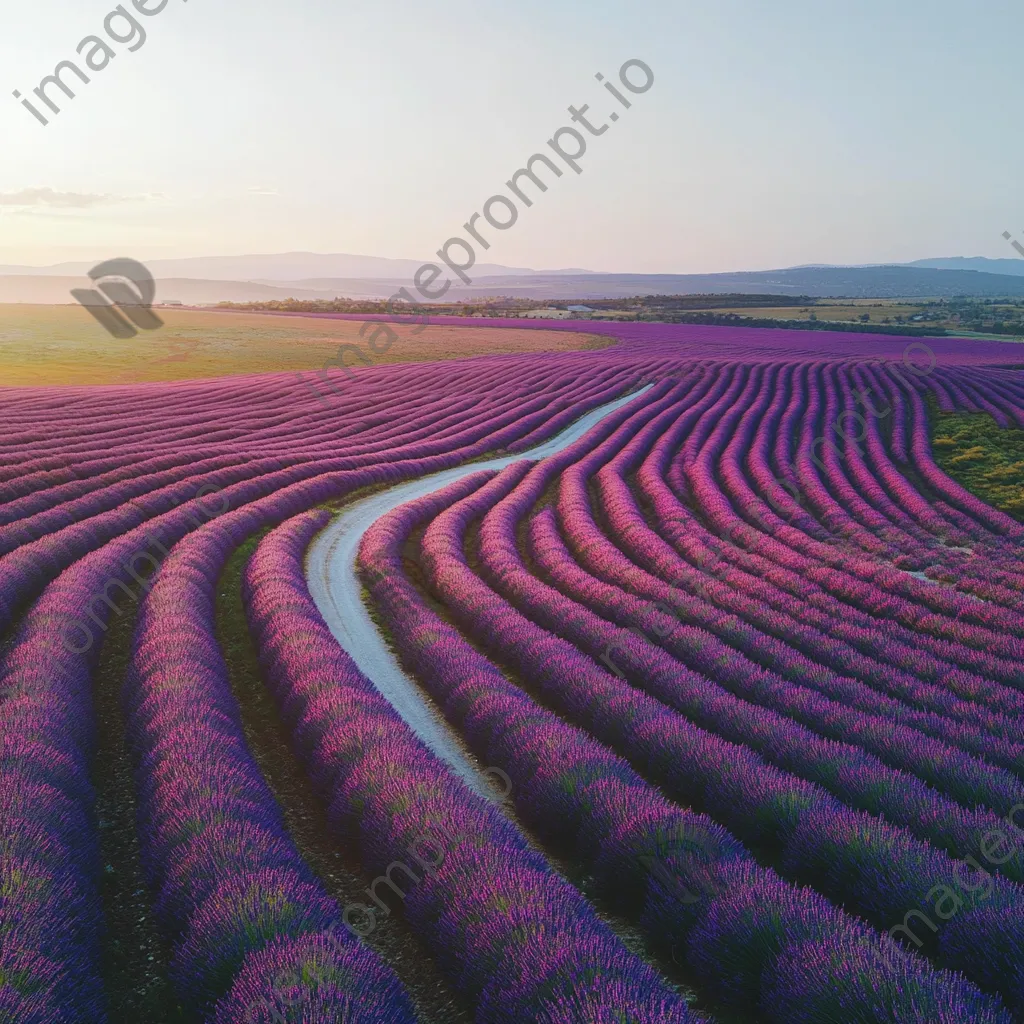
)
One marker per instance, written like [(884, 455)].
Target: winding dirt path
[(337, 592)]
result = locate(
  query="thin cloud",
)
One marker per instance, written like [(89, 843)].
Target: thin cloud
[(257, 191), (29, 197)]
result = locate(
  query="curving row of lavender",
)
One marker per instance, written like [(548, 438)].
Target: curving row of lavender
[(711, 588), (517, 940), (692, 606), (749, 661), (111, 508), (592, 804)]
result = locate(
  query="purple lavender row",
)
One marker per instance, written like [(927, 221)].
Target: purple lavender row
[(908, 408), (114, 493), (917, 702), (47, 727), (965, 779), (820, 468), (51, 933), (213, 942), (970, 573), (590, 801), (228, 418), (803, 605), (232, 894), (82, 480), (889, 872), (871, 472), (973, 575), (838, 388), (218, 421), (857, 778), (1002, 386), (997, 522), (23, 572), (795, 688), (834, 569), (50, 917), (890, 581), (742, 558), (869, 514), (781, 501), (519, 942)]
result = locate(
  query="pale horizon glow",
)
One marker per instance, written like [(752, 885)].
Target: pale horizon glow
[(774, 136)]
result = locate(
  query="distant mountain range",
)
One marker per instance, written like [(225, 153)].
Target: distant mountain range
[(210, 279), (1013, 266), (288, 266)]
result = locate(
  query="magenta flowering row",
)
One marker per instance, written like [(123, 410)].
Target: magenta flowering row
[(759, 667), (613, 820), (91, 545), (806, 643), (516, 939), (229, 884), (761, 805)]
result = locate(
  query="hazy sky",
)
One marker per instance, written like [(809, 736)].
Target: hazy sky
[(775, 133)]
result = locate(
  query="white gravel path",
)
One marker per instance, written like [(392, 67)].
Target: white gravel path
[(336, 590)]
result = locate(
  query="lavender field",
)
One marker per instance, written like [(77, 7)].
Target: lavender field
[(730, 680)]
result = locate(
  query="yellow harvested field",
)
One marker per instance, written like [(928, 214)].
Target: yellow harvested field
[(65, 345), (850, 309)]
